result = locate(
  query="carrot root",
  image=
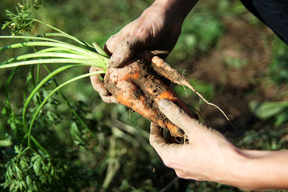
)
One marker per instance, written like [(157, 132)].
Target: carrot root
[(174, 76), (137, 86)]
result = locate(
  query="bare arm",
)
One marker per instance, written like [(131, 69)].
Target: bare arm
[(209, 156), (264, 170)]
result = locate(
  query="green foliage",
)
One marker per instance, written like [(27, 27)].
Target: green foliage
[(40, 165), (279, 64), (206, 89), (79, 143), (235, 62), (268, 138), (271, 110), (32, 172), (199, 34), (21, 22), (277, 112)]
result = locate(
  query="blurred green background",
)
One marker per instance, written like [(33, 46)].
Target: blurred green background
[(229, 56)]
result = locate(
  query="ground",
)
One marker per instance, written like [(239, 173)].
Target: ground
[(233, 71), (237, 68)]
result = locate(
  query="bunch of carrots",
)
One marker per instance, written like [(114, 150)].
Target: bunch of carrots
[(140, 85)]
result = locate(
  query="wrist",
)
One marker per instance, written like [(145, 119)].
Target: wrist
[(263, 170), (233, 171), (251, 172), (239, 170), (176, 8)]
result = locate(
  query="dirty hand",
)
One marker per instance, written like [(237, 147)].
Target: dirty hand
[(158, 28), (207, 156), (210, 156), (98, 86)]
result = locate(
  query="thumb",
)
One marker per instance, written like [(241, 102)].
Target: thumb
[(176, 115), (124, 52)]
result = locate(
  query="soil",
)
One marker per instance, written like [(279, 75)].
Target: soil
[(146, 86), (235, 87)]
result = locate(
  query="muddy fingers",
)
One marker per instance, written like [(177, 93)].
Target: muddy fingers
[(174, 76), (137, 86)]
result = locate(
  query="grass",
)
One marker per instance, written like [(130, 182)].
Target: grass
[(106, 147)]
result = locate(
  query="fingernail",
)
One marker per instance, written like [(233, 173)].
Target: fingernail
[(164, 103), (114, 61)]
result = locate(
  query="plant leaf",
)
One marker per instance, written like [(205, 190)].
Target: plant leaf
[(267, 110)]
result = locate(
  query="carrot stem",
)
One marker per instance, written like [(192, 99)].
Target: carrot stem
[(52, 92)]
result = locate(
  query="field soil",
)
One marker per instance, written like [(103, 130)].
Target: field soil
[(235, 86)]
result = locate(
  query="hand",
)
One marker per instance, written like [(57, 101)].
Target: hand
[(208, 156), (158, 28), (98, 86), (153, 30)]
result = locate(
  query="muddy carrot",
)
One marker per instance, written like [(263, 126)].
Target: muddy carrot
[(137, 86), (174, 76)]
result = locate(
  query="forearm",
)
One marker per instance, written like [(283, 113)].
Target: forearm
[(177, 8), (209, 156), (266, 169), (260, 170)]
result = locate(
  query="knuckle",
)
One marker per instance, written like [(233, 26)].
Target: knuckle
[(178, 116), (128, 45), (140, 31)]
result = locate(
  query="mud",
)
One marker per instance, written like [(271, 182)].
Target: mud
[(142, 84)]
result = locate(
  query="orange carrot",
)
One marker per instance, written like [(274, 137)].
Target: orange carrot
[(174, 76), (137, 86), (149, 89)]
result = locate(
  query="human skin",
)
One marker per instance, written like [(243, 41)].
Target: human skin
[(158, 28), (209, 156)]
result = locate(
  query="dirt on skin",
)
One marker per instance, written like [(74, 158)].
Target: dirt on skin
[(235, 86), (138, 86), (145, 74)]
